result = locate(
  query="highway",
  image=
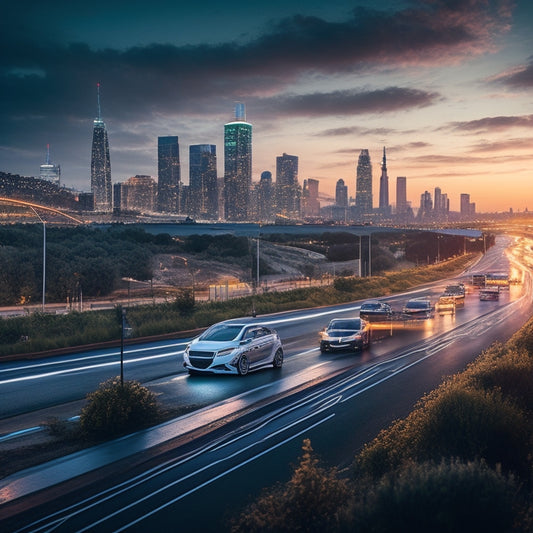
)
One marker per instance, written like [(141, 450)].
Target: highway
[(250, 429)]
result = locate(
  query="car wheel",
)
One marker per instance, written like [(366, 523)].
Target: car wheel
[(278, 358), (243, 365)]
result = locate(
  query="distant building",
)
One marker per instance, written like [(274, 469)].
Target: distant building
[(48, 171), (101, 186), (310, 195), (168, 175), (341, 194), (401, 195), (384, 205), (237, 166), (138, 193), (467, 208), (203, 187), (265, 197), (363, 184), (426, 206), (288, 193)]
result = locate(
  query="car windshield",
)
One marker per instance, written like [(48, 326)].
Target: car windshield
[(345, 325), (371, 305), (415, 304), (222, 332)]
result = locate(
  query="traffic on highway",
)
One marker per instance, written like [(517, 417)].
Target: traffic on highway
[(337, 389)]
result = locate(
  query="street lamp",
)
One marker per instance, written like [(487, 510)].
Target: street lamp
[(44, 254)]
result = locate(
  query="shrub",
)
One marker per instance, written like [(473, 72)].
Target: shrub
[(114, 409), (309, 501), (445, 497)]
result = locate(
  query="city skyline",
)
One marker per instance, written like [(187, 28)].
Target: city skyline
[(450, 99)]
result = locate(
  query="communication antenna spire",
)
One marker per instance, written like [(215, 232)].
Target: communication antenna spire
[(98, 99)]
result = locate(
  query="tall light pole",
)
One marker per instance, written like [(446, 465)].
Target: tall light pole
[(44, 255)]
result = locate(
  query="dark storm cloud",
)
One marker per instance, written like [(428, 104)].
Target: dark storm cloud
[(492, 124), (351, 102), (40, 76)]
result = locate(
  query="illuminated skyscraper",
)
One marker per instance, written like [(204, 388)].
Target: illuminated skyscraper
[(48, 171), (401, 195), (384, 205), (168, 174), (101, 165), (203, 190), (363, 184), (237, 165), (265, 197)]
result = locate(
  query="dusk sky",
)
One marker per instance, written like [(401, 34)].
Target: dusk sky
[(445, 85)]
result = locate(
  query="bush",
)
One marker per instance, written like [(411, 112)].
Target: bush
[(445, 497), (309, 501), (115, 409)]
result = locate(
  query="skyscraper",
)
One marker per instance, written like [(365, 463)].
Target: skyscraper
[(363, 184), (310, 196), (48, 171), (168, 174), (287, 188), (237, 165), (341, 194), (265, 197), (101, 165), (203, 191), (384, 205), (401, 195)]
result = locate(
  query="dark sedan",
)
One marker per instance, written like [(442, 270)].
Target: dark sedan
[(345, 334)]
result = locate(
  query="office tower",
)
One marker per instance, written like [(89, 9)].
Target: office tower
[(467, 208), (101, 165), (288, 193), (341, 194), (237, 165), (265, 197), (384, 205), (426, 205), (138, 194), (310, 194), (401, 195), (203, 192), (168, 174), (363, 184), (48, 171)]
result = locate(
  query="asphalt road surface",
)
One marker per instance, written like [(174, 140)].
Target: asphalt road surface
[(212, 463)]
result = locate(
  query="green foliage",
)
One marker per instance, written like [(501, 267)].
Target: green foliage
[(185, 302), (114, 409), (445, 497), (309, 501)]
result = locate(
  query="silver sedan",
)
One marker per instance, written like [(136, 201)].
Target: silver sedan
[(233, 347)]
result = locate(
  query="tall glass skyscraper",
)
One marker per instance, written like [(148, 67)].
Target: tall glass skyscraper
[(288, 192), (237, 165), (363, 184), (203, 188), (101, 186), (168, 174)]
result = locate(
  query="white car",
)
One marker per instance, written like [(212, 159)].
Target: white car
[(233, 347)]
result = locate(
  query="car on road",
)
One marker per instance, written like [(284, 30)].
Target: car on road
[(234, 347), (445, 305), (418, 308), (374, 310), (345, 334), (489, 294)]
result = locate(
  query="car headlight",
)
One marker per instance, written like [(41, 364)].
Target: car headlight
[(225, 351)]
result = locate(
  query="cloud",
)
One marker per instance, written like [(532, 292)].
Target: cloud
[(353, 130), (505, 145), (493, 124), (520, 77)]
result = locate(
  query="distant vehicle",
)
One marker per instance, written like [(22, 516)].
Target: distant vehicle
[(233, 347), (497, 279), (478, 280), (489, 294), (345, 334), (445, 305), (457, 292), (418, 308), (373, 310)]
